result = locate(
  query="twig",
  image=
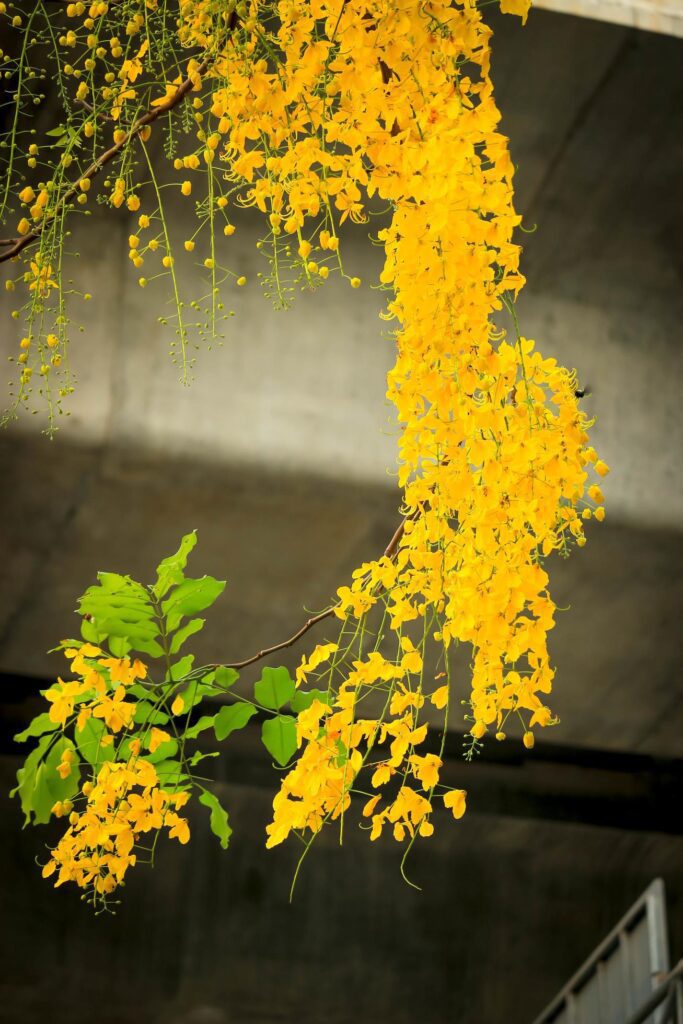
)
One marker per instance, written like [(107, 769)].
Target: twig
[(327, 614), (164, 108), (389, 552)]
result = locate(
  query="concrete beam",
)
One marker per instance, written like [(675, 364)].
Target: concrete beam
[(665, 16)]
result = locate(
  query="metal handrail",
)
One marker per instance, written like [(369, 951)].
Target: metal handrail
[(669, 988), (658, 952)]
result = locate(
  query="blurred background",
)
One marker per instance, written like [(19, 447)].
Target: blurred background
[(281, 455)]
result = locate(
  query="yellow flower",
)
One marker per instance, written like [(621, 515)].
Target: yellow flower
[(520, 7), (440, 697), (456, 799), (157, 737)]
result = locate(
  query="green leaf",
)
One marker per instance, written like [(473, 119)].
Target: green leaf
[(120, 607), (182, 667), (170, 570), (274, 688), (147, 714), (279, 738), (163, 752), (189, 597), (205, 722), (171, 775), (38, 727), (89, 739), (26, 777), (119, 646), (218, 819), (199, 756), (303, 699), (226, 677), (49, 787), (90, 634), (188, 630), (232, 717)]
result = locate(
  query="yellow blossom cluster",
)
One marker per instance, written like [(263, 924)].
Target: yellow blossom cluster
[(123, 803), (124, 798), (493, 454)]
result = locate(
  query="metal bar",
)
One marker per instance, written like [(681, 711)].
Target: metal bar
[(617, 937), (666, 989)]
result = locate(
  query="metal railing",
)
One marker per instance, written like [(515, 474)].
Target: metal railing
[(626, 979)]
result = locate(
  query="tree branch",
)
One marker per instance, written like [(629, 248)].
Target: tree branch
[(389, 552), (18, 244)]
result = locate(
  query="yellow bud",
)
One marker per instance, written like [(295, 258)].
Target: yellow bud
[(478, 730), (23, 227), (133, 203), (178, 705), (599, 513), (186, 188), (528, 740), (142, 281), (27, 195), (221, 203), (84, 184), (189, 245), (229, 229), (601, 468), (208, 263), (119, 135), (355, 282), (52, 340), (143, 220), (304, 249), (324, 273), (167, 261), (133, 241), (500, 736), (241, 281)]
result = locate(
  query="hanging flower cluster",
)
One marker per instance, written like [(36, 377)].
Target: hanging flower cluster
[(310, 111), (123, 799)]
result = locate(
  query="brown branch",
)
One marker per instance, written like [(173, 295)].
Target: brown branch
[(389, 552), (8, 241), (327, 614), (147, 119)]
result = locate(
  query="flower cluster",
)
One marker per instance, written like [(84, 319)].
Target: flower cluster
[(125, 795), (123, 803), (310, 112)]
